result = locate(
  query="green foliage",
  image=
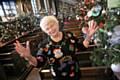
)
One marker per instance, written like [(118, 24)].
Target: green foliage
[(15, 28), (105, 57)]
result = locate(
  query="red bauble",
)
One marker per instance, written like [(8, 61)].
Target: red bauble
[(101, 25)]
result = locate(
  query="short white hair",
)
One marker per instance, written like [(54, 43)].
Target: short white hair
[(46, 20)]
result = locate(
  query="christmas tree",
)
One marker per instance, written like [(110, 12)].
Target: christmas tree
[(108, 51)]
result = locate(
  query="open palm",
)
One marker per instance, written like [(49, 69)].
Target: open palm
[(92, 28), (23, 51)]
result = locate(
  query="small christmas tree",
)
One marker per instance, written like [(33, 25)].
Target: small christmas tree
[(109, 50)]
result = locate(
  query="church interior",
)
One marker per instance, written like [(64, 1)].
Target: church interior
[(20, 20)]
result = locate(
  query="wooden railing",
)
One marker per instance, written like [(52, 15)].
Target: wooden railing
[(15, 67)]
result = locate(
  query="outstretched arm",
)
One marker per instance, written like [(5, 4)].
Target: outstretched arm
[(91, 30), (25, 52)]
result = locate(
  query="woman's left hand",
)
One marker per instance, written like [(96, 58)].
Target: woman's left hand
[(92, 28)]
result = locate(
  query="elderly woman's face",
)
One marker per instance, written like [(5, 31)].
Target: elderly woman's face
[(51, 29)]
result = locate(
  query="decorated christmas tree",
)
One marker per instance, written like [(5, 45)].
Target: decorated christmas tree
[(108, 51)]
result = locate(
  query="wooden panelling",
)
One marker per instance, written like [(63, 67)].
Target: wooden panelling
[(87, 73)]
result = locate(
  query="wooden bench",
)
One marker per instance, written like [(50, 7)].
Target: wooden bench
[(87, 73)]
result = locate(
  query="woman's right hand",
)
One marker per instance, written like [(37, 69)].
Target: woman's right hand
[(23, 51)]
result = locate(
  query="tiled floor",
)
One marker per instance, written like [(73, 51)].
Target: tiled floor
[(34, 75)]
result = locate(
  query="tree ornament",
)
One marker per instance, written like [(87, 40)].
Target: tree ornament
[(89, 14), (115, 67)]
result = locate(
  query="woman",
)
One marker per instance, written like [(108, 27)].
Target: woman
[(60, 51)]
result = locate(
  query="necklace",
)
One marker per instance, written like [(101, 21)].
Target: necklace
[(58, 37)]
